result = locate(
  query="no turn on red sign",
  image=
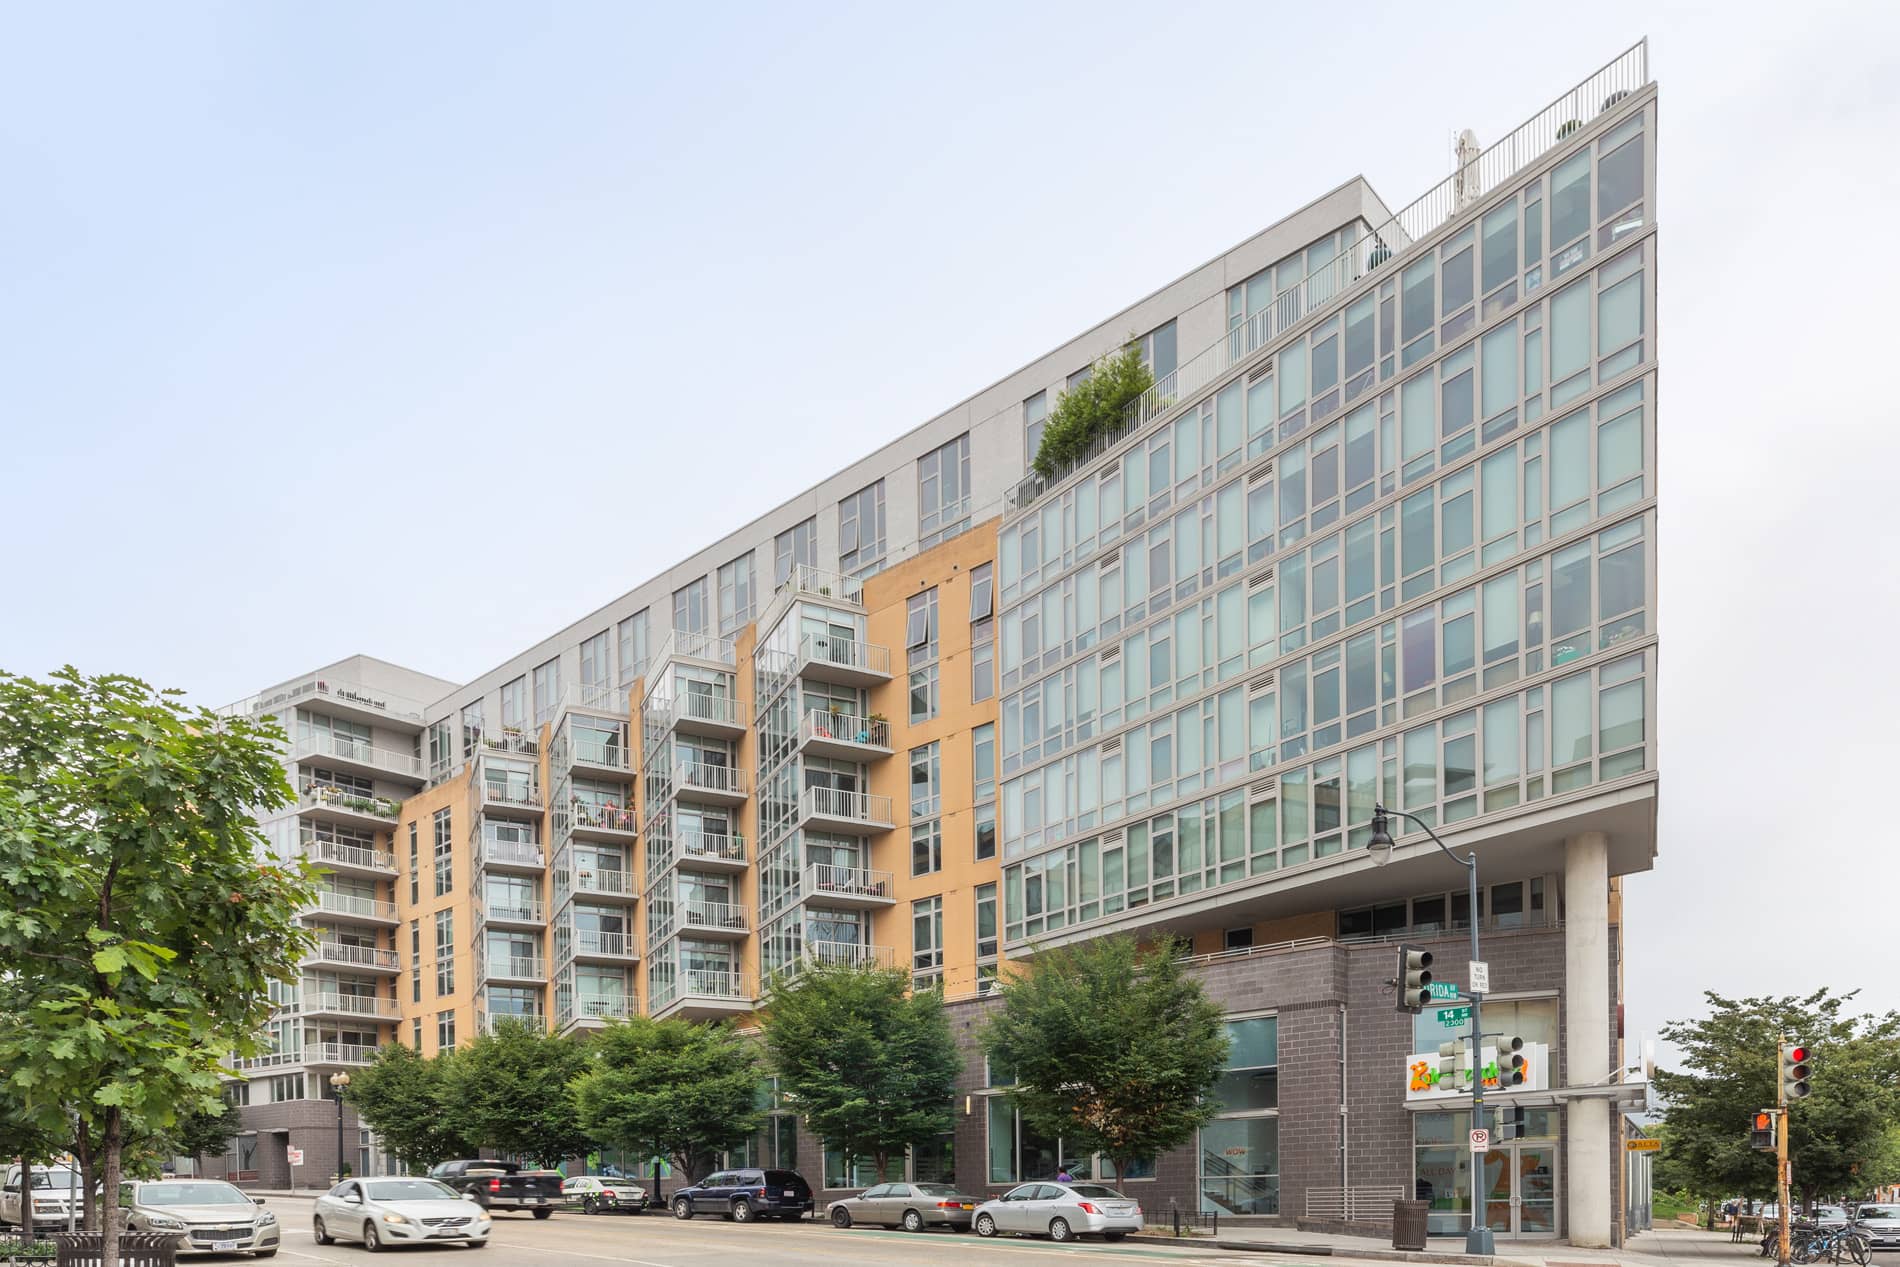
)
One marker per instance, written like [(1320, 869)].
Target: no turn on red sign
[(1481, 1140)]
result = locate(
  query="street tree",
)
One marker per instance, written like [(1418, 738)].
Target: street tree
[(203, 1130), (870, 1066), (25, 1142), (404, 1098), (146, 916), (1839, 1136), (673, 1088), (1111, 1047), (511, 1090)]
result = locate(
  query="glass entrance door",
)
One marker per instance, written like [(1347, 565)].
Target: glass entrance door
[(1520, 1184)]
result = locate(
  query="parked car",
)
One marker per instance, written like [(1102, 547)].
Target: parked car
[(745, 1195), (1880, 1223), (597, 1194), (1829, 1217), (52, 1186), (210, 1216), (385, 1212), (911, 1206), (1060, 1211), (503, 1185)]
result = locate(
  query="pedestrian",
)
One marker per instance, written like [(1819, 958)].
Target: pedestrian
[(1063, 1175)]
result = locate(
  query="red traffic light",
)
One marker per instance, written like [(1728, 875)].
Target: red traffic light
[(1798, 1055), (1762, 1121)]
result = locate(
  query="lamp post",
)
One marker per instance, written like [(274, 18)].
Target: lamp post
[(1478, 1240), (339, 1082)]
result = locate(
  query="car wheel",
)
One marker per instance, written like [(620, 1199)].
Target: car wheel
[(742, 1211), (1112, 1237), (985, 1225), (590, 1204), (1059, 1230), (913, 1221), (544, 1212), (841, 1217), (323, 1237), (371, 1241), (682, 1209)]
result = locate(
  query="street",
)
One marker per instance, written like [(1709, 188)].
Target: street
[(658, 1240)]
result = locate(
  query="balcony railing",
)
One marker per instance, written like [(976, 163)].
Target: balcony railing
[(712, 846), (1326, 283), (511, 792), (820, 724), (606, 880), (703, 983), (601, 817), (313, 794), (328, 690), (697, 646), (333, 903), (588, 941), (613, 754), (492, 1021), (346, 748), (516, 967), (830, 802), (846, 653), (708, 777), (342, 854), (603, 1008), (718, 710), (357, 956), (820, 583), (353, 1004), (849, 954), (337, 1054), (602, 696), (516, 741), (822, 879), (518, 852), (515, 912), (729, 916)]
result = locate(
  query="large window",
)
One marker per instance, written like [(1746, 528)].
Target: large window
[(1533, 1020), (920, 645), (986, 921), (926, 942), (736, 594), (444, 852), (1159, 351), (796, 547), (472, 723), (547, 690), (1240, 1150), (861, 531), (926, 780), (982, 633), (445, 1031), (943, 491), (633, 647), (444, 953), (1035, 416), (596, 663), (690, 614), (514, 704), (983, 768)]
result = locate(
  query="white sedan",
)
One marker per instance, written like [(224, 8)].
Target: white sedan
[(597, 1193), (383, 1213)]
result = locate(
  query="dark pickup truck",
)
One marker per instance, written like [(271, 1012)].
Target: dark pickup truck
[(503, 1185)]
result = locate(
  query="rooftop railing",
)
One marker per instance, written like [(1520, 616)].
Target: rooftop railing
[(327, 689)]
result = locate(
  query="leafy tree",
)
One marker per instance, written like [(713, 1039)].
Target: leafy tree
[(510, 1090), (1091, 408), (203, 1130), (870, 1066), (405, 1099), (1839, 1137), (144, 906), (671, 1088), (25, 1142), (1112, 1047)]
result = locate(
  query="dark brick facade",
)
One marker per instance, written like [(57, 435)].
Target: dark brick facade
[(306, 1124)]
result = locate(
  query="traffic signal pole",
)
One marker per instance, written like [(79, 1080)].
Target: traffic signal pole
[(1781, 1148)]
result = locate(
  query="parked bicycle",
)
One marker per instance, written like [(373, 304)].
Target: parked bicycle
[(1808, 1243)]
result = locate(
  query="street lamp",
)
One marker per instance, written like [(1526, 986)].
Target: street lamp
[(1478, 1240), (339, 1082)]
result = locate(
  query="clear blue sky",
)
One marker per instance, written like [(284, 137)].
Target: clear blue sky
[(422, 329)]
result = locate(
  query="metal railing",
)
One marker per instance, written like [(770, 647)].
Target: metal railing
[(822, 724), (589, 941), (511, 792), (347, 748), (516, 968), (820, 583), (342, 854), (850, 954), (607, 1007), (601, 817), (338, 1054), (830, 802), (822, 879), (352, 1004), (333, 903), (603, 696), (327, 690), (684, 644), (845, 652), (723, 915), (312, 794), (601, 880), (356, 956), (511, 740), (720, 710), (1370, 1203), (518, 912), (614, 754), (491, 1021), (711, 778), (712, 845), (519, 852), (708, 983), (1325, 284)]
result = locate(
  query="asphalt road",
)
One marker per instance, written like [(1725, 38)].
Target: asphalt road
[(658, 1240)]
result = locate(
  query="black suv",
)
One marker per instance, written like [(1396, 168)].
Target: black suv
[(745, 1195)]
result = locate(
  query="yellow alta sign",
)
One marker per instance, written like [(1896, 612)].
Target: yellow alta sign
[(1643, 1144)]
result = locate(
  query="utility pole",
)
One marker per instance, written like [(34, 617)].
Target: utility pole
[(1781, 1147)]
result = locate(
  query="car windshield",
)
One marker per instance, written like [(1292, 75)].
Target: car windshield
[(1880, 1212), (1099, 1191), (190, 1194), (935, 1189), (56, 1179), (411, 1190)]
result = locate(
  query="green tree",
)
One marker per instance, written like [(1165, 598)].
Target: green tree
[(1092, 408), (511, 1091), (25, 1142), (203, 1130), (144, 906), (675, 1089), (870, 1066), (405, 1099), (1838, 1136), (1112, 1047)]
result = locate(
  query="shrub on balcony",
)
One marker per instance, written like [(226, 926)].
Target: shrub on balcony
[(1091, 407)]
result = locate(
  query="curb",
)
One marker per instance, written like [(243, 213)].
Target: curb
[(1375, 1255)]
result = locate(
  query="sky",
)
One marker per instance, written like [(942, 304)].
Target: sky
[(422, 330)]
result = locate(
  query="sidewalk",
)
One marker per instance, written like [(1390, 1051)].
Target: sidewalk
[(1662, 1247)]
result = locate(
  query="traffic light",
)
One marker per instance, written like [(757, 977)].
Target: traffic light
[(1450, 1063), (1794, 1071), (1513, 1121), (1512, 1069), (1415, 979), (1761, 1131)]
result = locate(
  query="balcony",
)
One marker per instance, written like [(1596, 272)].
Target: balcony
[(600, 758), (337, 1054), (822, 658), (850, 887), (509, 796), (594, 1013), (337, 855), (515, 969), (832, 587), (337, 697), (512, 741), (711, 851), (598, 947), (606, 884), (854, 813), (337, 954), (843, 736), (508, 855), (609, 698), (340, 805), (702, 995), (724, 920), (348, 906), (492, 1021), (357, 756), (350, 1006), (682, 644), (590, 820), (849, 954), (716, 716), (708, 783), (514, 914)]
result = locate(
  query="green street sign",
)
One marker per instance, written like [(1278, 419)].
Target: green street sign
[(1443, 991), (1449, 1016)]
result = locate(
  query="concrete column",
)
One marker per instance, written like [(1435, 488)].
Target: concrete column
[(1587, 1158)]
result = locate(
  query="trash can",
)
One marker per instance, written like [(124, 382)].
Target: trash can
[(1408, 1224), (136, 1249)]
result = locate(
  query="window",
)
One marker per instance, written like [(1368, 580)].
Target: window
[(796, 547), (1035, 415), (983, 767), (1080, 377), (1240, 1150), (415, 867), (920, 642), (547, 690), (1158, 351), (441, 748), (689, 608), (923, 694), (926, 780), (1237, 938), (444, 853), (444, 953), (986, 921), (926, 847), (926, 943), (1533, 1020), (415, 961), (472, 723), (943, 491), (861, 531), (633, 647), (982, 634), (514, 704), (445, 1031), (986, 831), (735, 594), (982, 592), (415, 1032)]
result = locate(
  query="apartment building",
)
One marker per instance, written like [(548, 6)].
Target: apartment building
[(1383, 531)]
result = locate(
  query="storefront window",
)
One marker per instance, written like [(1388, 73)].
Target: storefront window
[(1533, 1020), (1240, 1152), (1442, 1168)]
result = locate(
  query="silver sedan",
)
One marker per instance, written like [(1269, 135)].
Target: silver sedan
[(911, 1206), (1060, 1211), (209, 1216), (385, 1212)]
